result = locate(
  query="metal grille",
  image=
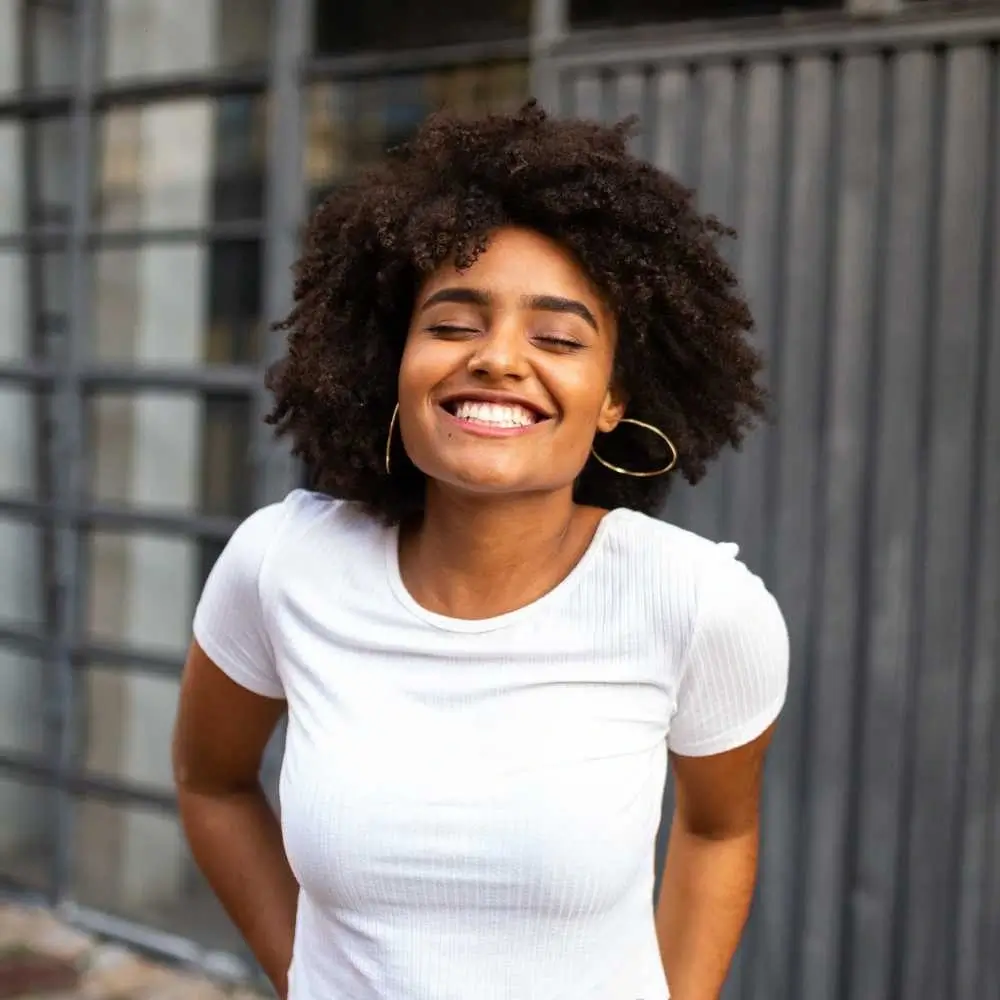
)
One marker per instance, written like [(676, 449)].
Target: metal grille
[(860, 163), (157, 160)]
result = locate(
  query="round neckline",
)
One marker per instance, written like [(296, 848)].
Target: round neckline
[(449, 624)]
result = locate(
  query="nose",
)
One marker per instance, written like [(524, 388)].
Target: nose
[(501, 353)]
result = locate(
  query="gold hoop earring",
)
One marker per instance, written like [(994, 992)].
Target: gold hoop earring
[(388, 443), (642, 475)]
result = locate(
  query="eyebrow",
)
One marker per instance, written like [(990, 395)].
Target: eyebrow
[(557, 304), (541, 303)]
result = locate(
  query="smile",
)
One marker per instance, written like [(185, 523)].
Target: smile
[(492, 419)]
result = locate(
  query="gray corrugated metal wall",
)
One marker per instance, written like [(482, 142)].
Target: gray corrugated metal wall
[(861, 167)]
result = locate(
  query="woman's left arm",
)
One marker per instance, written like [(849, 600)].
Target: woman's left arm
[(732, 687), (711, 867)]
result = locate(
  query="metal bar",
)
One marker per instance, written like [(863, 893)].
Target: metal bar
[(37, 104), (43, 238), (53, 238), (663, 45), (73, 783), (218, 964), (24, 640), (91, 654), (36, 509), (138, 519), (272, 464), (179, 87), (115, 517), (99, 655), (31, 371), (221, 379), (242, 229), (371, 64), (66, 452), (42, 481), (20, 893)]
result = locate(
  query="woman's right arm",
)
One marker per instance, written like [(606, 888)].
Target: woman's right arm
[(221, 733)]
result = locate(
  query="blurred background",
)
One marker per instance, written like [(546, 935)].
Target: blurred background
[(157, 161)]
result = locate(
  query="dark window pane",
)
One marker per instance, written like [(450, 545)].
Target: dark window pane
[(22, 603), (22, 411), (350, 124), (181, 164), (36, 169), (135, 863), (170, 451), (33, 306), (625, 13), (156, 38), (52, 31), (26, 833), (141, 590), (48, 59), (22, 704), (117, 704), (401, 24), (177, 303)]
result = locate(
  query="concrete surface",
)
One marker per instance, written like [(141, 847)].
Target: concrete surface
[(33, 942)]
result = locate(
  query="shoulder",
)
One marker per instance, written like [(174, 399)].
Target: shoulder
[(670, 554), (299, 512), (279, 530), (701, 583), (725, 628)]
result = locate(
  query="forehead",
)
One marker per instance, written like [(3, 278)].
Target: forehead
[(520, 262)]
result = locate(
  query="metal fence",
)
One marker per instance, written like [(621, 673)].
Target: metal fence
[(859, 161), (861, 165), (157, 160)]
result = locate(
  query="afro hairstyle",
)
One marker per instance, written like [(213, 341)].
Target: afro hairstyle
[(684, 360)]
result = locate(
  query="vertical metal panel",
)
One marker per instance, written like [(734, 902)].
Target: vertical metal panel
[(669, 121), (977, 971), (66, 450), (800, 390), (894, 549), (863, 174), (843, 452), (943, 646), (274, 470), (762, 225)]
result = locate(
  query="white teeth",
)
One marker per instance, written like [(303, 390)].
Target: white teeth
[(495, 414)]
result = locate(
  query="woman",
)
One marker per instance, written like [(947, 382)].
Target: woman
[(505, 342)]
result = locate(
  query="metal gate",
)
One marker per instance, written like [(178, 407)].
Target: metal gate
[(860, 163)]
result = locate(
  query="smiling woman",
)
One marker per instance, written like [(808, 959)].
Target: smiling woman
[(486, 649)]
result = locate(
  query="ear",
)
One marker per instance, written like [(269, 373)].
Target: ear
[(612, 410)]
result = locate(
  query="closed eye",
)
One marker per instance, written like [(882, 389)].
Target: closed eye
[(450, 330), (562, 342)]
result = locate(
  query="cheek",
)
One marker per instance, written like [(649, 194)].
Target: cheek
[(582, 393)]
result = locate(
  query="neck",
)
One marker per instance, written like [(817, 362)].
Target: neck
[(477, 557)]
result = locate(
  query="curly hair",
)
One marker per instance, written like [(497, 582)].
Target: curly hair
[(683, 360)]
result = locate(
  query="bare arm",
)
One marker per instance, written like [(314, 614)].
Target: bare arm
[(222, 731), (711, 867)]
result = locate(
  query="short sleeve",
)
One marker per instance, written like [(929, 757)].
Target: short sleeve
[(229, 622), (735, 673)]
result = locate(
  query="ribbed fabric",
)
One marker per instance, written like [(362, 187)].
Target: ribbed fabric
[(470, 807)]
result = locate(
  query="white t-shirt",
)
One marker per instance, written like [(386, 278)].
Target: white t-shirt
[(471, 807)]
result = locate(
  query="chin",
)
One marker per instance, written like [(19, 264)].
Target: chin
[(490, 480)]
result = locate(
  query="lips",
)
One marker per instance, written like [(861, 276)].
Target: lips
[(495, 414), (500, 411)]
